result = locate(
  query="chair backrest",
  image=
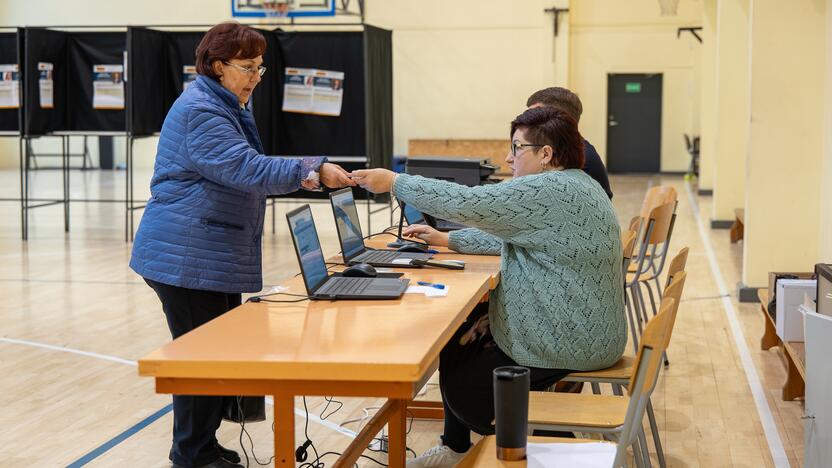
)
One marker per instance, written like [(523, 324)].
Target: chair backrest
[(662, 216), (677, 264), (657, 196), (628, 243), (645, 374), (674, 290)]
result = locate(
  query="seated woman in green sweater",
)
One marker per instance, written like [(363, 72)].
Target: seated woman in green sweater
[(559, 305)]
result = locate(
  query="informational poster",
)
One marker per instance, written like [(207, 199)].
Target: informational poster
[(46, 85), (312, 91), (108, 86), (188, 76), (9, 86)]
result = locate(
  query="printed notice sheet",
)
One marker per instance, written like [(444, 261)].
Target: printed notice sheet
[(108, 86), (46, 85), (9, 86), (188, 76), (311, 91)]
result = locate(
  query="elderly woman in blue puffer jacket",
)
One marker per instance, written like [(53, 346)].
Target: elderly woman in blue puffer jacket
[(198, 244)]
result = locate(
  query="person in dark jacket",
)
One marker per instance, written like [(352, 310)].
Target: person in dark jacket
[(569, 102), (199, 242)]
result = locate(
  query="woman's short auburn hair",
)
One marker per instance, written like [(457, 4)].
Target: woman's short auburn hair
[(226, 41), (556, 128)]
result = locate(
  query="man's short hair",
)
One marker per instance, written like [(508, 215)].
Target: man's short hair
[(559, 98)]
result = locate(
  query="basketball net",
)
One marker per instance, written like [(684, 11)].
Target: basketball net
[(277, 9), (669, 7)]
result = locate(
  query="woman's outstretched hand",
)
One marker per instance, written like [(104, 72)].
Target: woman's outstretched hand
[(374, 180), (427, 234), (334, 176)]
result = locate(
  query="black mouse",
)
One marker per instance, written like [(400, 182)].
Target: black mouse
[(413, 247), (361, 270)]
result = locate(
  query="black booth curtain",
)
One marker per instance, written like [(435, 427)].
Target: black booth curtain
[(44, 45), (9, 118), (378, 57)]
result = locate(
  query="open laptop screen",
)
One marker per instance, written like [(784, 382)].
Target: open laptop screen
[(346, 220), (412, 215), (308, 247)]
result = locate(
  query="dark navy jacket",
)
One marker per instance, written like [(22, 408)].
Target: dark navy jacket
[(202, 226)]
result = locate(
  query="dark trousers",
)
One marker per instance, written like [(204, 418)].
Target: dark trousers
[(195, 418), (466, 382)]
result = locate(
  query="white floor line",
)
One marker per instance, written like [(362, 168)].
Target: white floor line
[(34, 344), (69, 350), (775, 445)]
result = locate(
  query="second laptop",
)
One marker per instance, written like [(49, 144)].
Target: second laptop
[(352, 239)]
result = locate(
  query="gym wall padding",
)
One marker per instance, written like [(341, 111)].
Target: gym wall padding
[(10, 54)]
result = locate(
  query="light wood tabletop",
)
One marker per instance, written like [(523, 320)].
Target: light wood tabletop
[(372, 348)]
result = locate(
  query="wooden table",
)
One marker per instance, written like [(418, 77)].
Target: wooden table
[(793, 352), (484, 454), (345, 348)]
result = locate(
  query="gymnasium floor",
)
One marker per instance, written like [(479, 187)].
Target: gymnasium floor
[(74, 318)]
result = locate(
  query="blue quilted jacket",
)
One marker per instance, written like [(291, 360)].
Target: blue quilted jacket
[(202, 226)]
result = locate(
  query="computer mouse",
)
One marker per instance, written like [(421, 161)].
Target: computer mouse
[(413, 247), (361, 270)]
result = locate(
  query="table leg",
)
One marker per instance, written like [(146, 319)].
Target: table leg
[(284, 430), (794, 386), (770, 338), (397, 434)]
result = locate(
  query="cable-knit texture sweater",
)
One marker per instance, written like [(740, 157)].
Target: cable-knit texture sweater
[(560, 301)]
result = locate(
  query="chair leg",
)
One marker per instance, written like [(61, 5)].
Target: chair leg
[(632, 325), (658, 287), (638, 459), (616, 390), (645, 452), (654, 428), (652, 299), (642, 307)]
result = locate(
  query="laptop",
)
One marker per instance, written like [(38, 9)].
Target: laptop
[(352, 239), (319, 284), (414, 216)]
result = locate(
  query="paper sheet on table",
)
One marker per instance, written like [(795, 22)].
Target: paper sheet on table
[(428, 291), (579, 455)]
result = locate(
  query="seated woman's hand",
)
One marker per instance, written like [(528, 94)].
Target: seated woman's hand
[(334, 176), (427, 234), (374, 180)]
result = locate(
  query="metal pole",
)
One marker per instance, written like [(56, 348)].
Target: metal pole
[(65, 151), (23, 192)]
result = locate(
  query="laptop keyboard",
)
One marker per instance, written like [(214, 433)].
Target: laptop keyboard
[(341, 285), (378, 256)]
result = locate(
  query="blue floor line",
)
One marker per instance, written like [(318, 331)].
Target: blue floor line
[(103, 448)]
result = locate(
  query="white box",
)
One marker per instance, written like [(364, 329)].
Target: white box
[(790, 295)]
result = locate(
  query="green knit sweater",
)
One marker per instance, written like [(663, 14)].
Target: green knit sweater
[(560, 302)]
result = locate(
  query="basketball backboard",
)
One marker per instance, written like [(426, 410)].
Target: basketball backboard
[(281, 8)]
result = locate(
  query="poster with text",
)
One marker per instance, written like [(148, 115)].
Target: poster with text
[(312, 91), (108, 87), (46, 85), (9, 86), (188, 76)]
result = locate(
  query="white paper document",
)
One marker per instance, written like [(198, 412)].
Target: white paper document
[(108, 86), (428, 291), (9, 86), (312, 91), (566, 455), (46, 85)]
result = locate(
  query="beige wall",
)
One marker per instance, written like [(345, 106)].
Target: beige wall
[(632, 37), (732, 65), (707, 147), (825, 213), (788, 63)]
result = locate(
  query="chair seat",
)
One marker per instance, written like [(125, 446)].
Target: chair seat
[(618, 372), (577, 409)]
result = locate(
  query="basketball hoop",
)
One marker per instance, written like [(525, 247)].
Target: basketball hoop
[(669, 7), (277, 8)]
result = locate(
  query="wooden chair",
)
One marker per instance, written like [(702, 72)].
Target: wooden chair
[(619, 374), (617, 417), (649, 261)]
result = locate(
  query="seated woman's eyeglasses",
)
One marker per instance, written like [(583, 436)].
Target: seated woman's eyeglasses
[(261, 70), (517, 147)]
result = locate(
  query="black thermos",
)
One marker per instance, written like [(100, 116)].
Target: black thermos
[(511, 411)]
